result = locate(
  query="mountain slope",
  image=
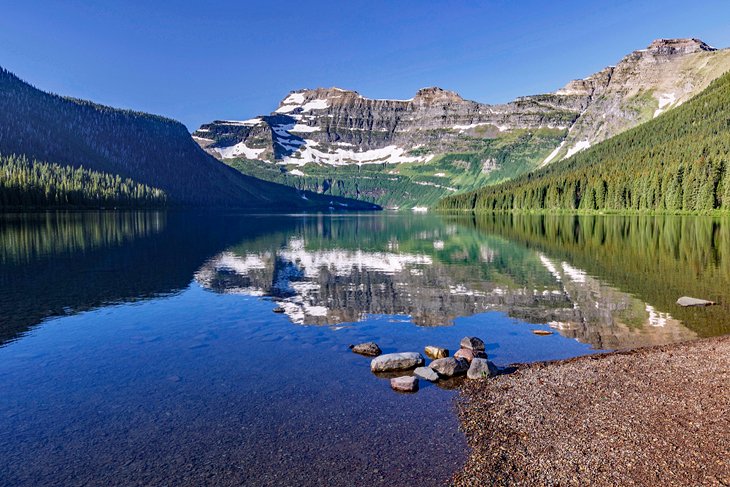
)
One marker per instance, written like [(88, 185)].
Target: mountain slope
[(412, 152), (679, 161), (148, 149)]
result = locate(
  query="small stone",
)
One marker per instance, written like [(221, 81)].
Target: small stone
[(449, 366), (542, 332), (436, 352), (481, 368), (426, 373), (278, 309), (687, 301), (469, 355), (396, 361), (371, 349), (406, 383), (472, 343)]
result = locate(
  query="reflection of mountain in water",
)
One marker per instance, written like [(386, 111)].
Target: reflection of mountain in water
[(443, 275)]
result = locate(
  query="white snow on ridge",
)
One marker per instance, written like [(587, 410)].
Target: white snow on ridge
[(665, 100), (294, 99), (238, 150), (248, 123), (340, 157), (553, 154), (315, 105), (296, 172), (579, 146)]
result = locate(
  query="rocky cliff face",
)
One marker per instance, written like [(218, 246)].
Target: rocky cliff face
[(438, 139)]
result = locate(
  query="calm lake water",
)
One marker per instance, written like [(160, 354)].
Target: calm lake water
[(141, 348)]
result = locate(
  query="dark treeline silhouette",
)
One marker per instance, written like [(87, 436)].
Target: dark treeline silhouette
[(678, 162), (32, 184)]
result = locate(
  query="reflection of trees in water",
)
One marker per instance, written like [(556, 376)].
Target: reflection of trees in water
[(655, 258), (59, 263)]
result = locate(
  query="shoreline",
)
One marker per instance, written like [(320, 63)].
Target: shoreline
[(647, 416)]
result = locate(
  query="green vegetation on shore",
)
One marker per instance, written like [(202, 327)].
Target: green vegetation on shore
[(33, 184), (678, 162)]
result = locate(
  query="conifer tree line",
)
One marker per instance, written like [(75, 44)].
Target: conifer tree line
[(33, 184), (678, 162)]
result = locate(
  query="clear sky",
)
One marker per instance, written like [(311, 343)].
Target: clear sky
[(198, 61)]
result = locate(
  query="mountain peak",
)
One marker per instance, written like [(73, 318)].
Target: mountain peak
[(434, 93), (678, 46)]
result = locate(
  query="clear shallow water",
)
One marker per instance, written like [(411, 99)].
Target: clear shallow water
[(142, 348)]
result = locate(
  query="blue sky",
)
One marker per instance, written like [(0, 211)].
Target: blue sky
[(197, 62)]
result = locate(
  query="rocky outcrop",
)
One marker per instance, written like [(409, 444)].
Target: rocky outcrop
[(449, 366)]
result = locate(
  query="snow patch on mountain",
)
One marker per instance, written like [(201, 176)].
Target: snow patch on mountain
[(238, 150), (581, 145)]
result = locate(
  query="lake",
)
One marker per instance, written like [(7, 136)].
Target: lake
[(142, 348)]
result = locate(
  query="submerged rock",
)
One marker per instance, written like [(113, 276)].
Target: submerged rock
[(687, 301), (436, 352), (371, 349), (396, 361), (426, 373), (406, 383), (449, 366), (481, 368), (469, 355), (472, 343)]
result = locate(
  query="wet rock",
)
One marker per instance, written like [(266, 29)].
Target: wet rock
[(542, 332), (436, 352), (469, 355), (406, 383), (449, 366), (687, 301), (481, 368), (396, 361), (472, 343), (371, 349), (426, 373), (278, 309)]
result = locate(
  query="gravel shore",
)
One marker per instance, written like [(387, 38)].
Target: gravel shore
[(652, 416)]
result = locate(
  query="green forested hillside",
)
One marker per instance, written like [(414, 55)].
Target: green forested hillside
[(473, 161), (32, 184), (153, 151), (679, 161)]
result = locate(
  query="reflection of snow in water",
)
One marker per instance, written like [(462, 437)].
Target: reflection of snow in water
[(657, 318)]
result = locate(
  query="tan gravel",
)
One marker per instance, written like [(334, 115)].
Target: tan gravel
[(652, 416)]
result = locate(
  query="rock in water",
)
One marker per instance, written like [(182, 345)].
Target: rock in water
[(278, 309), (407, 383), (472, 343), (542, 332), (449, 366), (371, 349), (436, 352), (396, 361), (426, 373), (469, 355), (481, 368), (687, 301)]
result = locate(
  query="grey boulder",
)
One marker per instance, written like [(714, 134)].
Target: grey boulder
[(481, 368), (370, 349), (396, 361), (469, 355), (472, 343), (687, 301), (449, 366), (426, 373), (407, 383)]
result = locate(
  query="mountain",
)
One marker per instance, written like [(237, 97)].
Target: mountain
[(153, 152), (405, 153), (675, 162)]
